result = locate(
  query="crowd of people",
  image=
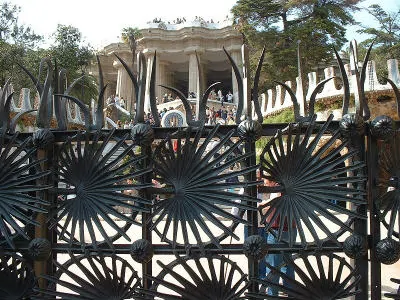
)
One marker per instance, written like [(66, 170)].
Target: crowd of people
[(225, 115), (216, 96), (219, 96)]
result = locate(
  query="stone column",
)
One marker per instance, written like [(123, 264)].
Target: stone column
[(194, 80), (124, 84), (193, 68), (161, 78), (193, 72)]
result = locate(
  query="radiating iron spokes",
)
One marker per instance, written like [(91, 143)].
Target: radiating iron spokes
[(389, 201), (318, 178), (92, 207), (199, 277), (194, 168), (93, 277), (317, 276), (17, 279), (20, 177)]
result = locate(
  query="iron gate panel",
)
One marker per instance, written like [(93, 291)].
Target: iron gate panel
[(63, 196)]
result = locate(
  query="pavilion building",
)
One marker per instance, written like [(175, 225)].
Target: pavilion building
[(176, 44)]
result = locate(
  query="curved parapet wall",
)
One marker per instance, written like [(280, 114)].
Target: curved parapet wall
[(273, 100), (277, 99), (183, 23)]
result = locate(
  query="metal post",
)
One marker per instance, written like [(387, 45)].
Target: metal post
[(372, 162), (41, 231), (250, 147), (146, 232), (360, 227)]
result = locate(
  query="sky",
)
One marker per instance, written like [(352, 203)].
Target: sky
[(101, 22)]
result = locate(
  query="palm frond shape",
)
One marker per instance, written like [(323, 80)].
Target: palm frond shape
[(316, 277), (195, 188), (389, 201), (209, 277), (95, 277), (19, 175), (94, 180), (45, 110), (309, 175), (17, 279)]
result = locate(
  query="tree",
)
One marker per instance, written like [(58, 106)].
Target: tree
[(130, 36), (11, 31), (278, 25), (72, 54), (386, 36), (17, 45)]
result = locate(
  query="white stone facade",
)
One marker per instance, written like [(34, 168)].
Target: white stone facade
[(176, 46)]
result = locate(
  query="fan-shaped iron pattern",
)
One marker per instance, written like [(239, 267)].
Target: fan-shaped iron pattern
[(333, 278), (20, 179), (308, 169), (17, 279), (313, 164), (194, 174), (389, 200), (95, 277), (192, 278), (192, 167), (95, 180)]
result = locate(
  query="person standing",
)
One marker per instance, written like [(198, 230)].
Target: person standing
[(122, 102), (220, 97), (276, 259), (264, 198), (229, 97), (117, 100)]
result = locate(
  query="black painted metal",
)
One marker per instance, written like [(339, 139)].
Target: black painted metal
[(181, 186)]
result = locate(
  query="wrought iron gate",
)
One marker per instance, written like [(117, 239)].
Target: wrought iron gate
[(86, 214)]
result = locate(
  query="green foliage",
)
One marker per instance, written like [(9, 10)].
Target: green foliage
[(11, 31), (260, 145), (72, 54), (284, 116), (386, 36), (17, 44), (278, 25), (130, 36), (329, 104)]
